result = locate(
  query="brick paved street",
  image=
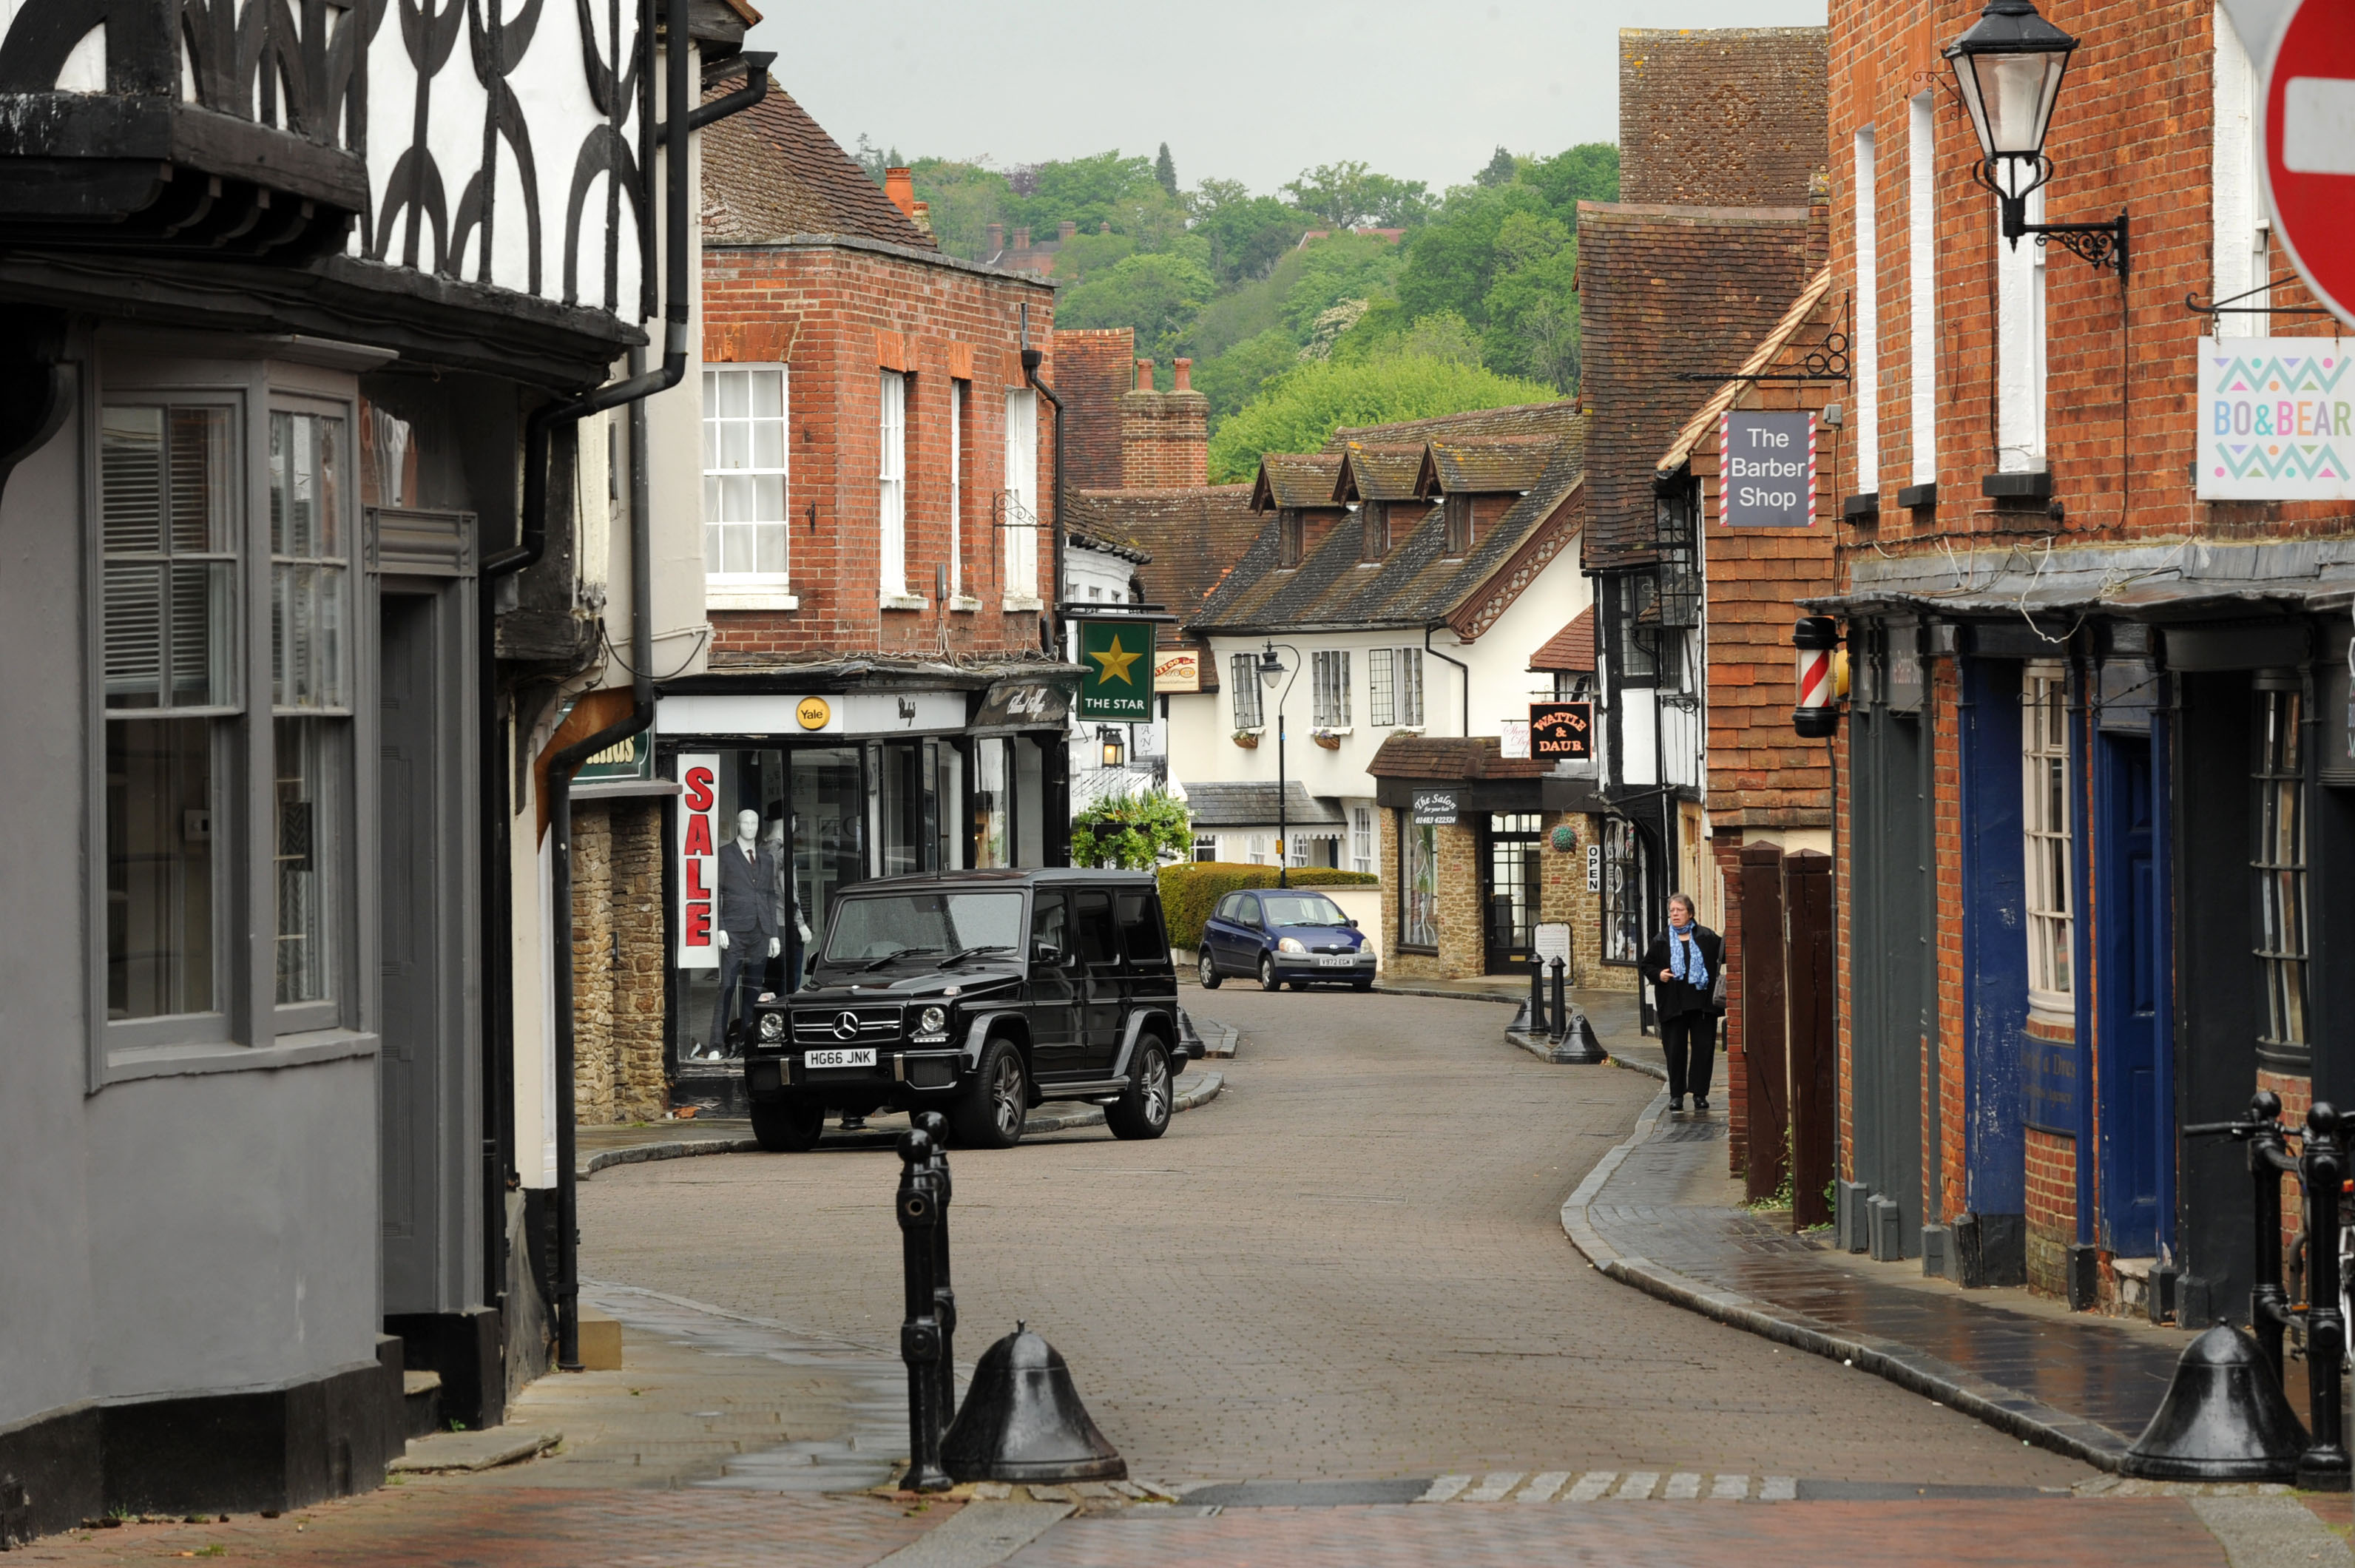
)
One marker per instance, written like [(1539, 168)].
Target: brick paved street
[(1350, 1264)]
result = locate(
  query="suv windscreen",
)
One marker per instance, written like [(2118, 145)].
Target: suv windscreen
[(884, 925), (1301, 908)]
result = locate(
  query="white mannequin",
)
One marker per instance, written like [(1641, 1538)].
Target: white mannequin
[(747, 836)]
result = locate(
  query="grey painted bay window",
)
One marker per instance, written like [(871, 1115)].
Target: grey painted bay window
[(2280, 866), (212, 823), (2044, 819)]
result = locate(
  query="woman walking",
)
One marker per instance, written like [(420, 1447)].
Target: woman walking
[(1682, 965)]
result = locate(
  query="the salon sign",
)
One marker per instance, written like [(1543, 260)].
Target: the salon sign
[(2276, 419)]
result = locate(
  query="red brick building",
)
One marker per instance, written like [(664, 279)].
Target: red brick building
[(2092, 766), (877, 536)]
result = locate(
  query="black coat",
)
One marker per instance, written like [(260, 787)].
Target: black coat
[(1674, 998)]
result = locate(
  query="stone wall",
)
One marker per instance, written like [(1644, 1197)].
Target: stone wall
[(617, 952), (1462, 949)]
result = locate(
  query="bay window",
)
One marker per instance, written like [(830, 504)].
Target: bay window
[(2280, 866), (2044, 819)]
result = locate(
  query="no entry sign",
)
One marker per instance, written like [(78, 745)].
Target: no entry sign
[(2309, 131)]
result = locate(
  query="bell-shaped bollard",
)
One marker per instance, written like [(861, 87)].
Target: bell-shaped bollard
[(2223, 1419), (1023, 1421)]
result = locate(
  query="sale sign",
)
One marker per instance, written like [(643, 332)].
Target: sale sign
[(698, 865)]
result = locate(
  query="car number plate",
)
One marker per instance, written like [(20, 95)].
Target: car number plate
[(1337, 961), (863, 1056)]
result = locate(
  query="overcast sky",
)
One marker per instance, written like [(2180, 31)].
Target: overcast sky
[(1248, 90)]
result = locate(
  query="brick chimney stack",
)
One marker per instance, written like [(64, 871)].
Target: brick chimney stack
[(900, 187), (1145, 375), (1022, 238), (996, 238), (1164, 441), (1066, 228)]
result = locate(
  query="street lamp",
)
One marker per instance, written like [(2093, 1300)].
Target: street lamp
[(2009, 67), (1271, 670)]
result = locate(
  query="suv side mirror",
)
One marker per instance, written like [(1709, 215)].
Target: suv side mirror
[(1046, 952)]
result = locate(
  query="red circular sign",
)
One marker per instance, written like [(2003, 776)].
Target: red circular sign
[(2309, 138)]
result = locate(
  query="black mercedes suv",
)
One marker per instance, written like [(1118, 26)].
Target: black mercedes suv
[(980, 994)]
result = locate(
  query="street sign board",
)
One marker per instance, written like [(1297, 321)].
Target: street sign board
[(1434, 808), (1594, 868), (698, 881), (1765, 469), (1177, 669), (1118, 658), (1513, 738), (1553, 942), (2306, 115), (1562, 730), (2276, 420)]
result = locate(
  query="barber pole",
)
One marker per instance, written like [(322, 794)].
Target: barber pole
[(1816, 638)]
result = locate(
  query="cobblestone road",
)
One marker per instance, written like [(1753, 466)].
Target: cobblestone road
[(1348, 1266)]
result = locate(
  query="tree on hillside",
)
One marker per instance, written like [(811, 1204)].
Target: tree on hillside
[(1349, 196), (1300, 409), (965, 199), (1165, 170), (875, 159), (1247, 234), (1232, 378), (1531, 306), (1159, 295), (1499, 169)]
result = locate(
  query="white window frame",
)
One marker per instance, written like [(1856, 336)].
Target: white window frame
[(1382, 699), (2048, 864), (1021, 520), (1364, 846), (960, 394), (1205, 846), (1408, 680), (1250, 713), (2240, 254), (1922, 285), (2020, 350), (753, 590), (1330, 677), (891, 489), (1867, 358)]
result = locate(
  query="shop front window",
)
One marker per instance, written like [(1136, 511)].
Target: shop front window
[(1418, 883), (2280, 867), (1624, 881), (992, 803)]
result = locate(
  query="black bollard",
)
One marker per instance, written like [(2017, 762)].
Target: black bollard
[(920, 1334), (2268, 1160), (936, 1127), (2323, 1467), (1537, 995), (1561, 1001)]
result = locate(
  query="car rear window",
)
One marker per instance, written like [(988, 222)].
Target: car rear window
[(1140, 928)]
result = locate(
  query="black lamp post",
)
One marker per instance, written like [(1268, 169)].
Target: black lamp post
[(2010, 66), (1271, 670)]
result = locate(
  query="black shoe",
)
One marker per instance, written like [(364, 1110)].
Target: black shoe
[(1676, 1103), (1700, 1104)]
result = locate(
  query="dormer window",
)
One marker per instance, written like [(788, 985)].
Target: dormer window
[(1291, 537), (1374, 530), (1458, 513)]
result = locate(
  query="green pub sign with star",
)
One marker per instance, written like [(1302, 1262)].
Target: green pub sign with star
[(1118, 658)]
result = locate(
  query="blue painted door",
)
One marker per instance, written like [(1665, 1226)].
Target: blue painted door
[(2131, 981)]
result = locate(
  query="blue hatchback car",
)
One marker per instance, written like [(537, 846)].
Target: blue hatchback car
[(1293, 936)]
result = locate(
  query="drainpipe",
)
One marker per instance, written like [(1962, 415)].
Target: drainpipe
[(1466, 712)]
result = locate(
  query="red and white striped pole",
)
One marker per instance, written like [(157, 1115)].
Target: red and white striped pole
[(1816, 638)]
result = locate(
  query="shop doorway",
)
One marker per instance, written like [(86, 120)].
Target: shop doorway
[(2137, 1117), (1509, 888)]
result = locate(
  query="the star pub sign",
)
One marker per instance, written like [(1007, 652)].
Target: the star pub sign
[(1118, 658)]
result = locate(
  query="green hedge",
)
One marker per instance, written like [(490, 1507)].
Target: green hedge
[(1191, 889)]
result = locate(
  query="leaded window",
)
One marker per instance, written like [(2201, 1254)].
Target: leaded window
[(1329, 670), (1381, 693), (1418, 882), (2280, 867), (1245, 686), (1624, 881), (2044, 819), (1410, 686)]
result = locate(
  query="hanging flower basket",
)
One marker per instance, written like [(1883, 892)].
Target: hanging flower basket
[(1330, 743), (1247, 739)]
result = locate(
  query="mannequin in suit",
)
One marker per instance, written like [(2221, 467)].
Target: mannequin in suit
[(747, 937)]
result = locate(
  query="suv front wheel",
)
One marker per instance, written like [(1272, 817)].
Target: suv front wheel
[(993, 1108), (787, 1127), (1143, 1110)]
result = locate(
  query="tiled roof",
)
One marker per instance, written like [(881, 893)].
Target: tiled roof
[(1453, 757), (1191, 536), (1484, 467), (1704, 420), (1723, 116), (772, 171), (1667, 291), (1557, 421), (1379, 473), (1253, 805), (1416, 585), (1572, 649), (1295, 479)]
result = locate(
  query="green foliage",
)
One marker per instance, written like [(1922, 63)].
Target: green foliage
[(1191, 889), (1532, 304), (1248, 234), (1159, 295), (875, 159), (1084, 256), (1232, 379), (1348, 196), (1386, 330), (1499, 170), (1135, 833), (1165, 170), (1299, 411), (965, 198)]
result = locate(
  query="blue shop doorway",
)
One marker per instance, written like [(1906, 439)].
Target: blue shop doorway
[(2138, 1120)]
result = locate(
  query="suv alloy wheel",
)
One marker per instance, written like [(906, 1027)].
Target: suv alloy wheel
[(993, 1108), (1143, 1110)]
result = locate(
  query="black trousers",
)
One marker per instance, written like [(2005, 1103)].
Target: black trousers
[(1691, 1041)]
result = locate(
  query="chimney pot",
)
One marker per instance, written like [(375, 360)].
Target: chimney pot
[(900, 187), (1022, 238), (924, 216), (1066, 228), (1145, 375), (1184, 369)]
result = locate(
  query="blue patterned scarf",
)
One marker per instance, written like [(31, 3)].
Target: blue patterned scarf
[(1685, 960)]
